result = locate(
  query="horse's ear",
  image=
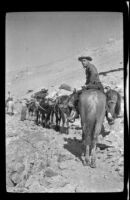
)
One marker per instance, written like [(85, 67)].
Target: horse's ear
[(106, 89)]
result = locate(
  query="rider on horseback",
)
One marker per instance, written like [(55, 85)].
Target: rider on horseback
[(92, 80), (92, 76)]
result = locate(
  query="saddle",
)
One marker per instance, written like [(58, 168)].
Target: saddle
[(94, 85)]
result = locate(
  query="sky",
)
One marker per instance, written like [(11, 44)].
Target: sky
[(39, 38)]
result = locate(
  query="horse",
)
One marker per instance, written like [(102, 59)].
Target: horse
[(92, 109), (91, 106), (113, 105), (43, 111), (31, 106), (61, 110)]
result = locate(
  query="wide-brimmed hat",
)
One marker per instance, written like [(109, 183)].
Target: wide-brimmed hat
[(85, 57)]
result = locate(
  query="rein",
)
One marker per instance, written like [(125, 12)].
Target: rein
[(40, 106), (112, 101)]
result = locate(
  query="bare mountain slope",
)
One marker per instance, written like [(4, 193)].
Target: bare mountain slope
[(43, 160), (108, 57)]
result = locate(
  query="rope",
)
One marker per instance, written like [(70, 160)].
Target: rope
[(41, 107)]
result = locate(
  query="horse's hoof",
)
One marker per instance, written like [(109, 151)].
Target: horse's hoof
[(86, 162), (111, 122), (93, 164)]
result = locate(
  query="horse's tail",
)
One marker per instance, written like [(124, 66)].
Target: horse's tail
[(88, 131), (118, 104)]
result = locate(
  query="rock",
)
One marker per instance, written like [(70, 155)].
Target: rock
[(68, 164), (12, 133), (17, 190), (9, 183), (41, 166), (44, 182), (64, 157), (16, 178), (31, 179), (36, 187), (67, 188), (80, 188), (121, 173), (20, 167), (58, 181), (105, 176), (49, 173), (117, 169), (121, 161)]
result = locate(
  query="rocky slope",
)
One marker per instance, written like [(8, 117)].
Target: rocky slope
[(43, 160)]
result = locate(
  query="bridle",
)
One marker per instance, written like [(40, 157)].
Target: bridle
[(111, 101)]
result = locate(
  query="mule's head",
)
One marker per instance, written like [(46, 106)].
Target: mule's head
[(112, 100), (72, 100), (113, 103), (110, 112)]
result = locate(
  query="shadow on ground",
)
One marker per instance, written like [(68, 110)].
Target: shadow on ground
[(74, 146), (102, 146), (104, 132)]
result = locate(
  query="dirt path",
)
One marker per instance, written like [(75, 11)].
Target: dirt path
[(43, 160)]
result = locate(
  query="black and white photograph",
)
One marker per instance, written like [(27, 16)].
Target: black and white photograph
[(64, 102)]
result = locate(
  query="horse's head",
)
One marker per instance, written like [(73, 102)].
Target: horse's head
[(110, 107), (113, 99), (72, 100)]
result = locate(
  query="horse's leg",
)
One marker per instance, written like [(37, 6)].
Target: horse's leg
[(29, 114), (37, 116), (52, 115), (97, 130), (56, 114), (63, 120), (12, 109), (48, 119), (67, 124), (87, 142), (114, 113), (34, 113), (59, 117), (87, 158), (43, 122)]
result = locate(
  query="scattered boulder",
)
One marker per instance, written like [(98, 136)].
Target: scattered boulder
[(36, 187), (15, 178), (50, 173), (20, 167)]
